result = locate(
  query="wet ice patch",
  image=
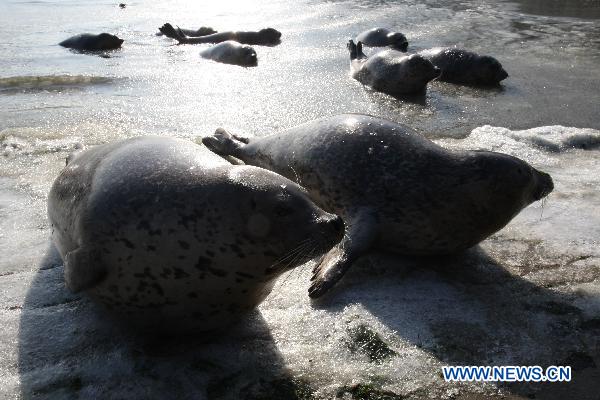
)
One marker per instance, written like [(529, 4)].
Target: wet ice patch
[(33, 141), (49, 82), (555, 138)]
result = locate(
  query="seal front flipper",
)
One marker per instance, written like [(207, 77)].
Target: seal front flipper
[(83, 269), (357, 241)]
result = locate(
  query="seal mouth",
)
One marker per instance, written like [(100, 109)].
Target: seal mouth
[(502, 75), (436, 72), (544, 187)]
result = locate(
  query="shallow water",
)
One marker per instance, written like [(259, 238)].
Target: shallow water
[(547, 259)]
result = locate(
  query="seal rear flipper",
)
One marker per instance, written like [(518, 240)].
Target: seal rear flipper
[(357, 241), (223, 143), (83, 269)]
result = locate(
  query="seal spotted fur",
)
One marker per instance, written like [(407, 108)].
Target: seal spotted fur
[(231, 52), (171, 236), (396, 190), (465, 67), (390, 71)]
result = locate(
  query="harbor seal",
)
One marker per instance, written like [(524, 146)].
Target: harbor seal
[(202, 31), (91, 42), (265, 37), (381, 37), (396, 190), (390, 71), (465, 67), (170, 236), (231, 52)]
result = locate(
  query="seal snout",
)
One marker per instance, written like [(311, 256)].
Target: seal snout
[(502, 75), (544, 187), (334, 229)]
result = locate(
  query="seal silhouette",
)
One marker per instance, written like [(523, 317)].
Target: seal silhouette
[(396, 190), (231, 52), (390, 71), (91, 42), (265, 37), (171, 237), (466, 67), (202, 31), (381, 37)]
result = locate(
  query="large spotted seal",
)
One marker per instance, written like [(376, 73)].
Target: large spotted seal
[(395, 189), (390, 71), (91, 42), (466, 67), (231, 52), (169, 235), (265, 37), (380, 37)]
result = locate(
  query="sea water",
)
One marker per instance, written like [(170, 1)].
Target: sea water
[(530, 294)]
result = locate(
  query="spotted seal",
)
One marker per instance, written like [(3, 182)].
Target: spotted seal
[(466, 67), (265, 37), (231, 52), (381, 37), (390, 71), (169, 235), (202, 31), (91, 42), (396, 190)]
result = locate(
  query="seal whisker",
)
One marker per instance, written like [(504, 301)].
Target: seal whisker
[(544, 200), (285, 260), (307, 256), (290, 272), (298, 181)]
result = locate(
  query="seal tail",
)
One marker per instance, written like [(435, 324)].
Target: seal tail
[(223, 143), (352, 49), (355, 50)]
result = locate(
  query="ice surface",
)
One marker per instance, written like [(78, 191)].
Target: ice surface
[(528, 295)]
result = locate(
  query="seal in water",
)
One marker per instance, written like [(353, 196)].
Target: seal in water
[(231, 52), (381, 37), (202, 31), (390, 71), (466, 67), (170, 236), (396, 190), (265, 37), (90, 42)]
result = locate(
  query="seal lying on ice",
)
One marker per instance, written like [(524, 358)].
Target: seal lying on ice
[(170, 236), (396, 190)]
